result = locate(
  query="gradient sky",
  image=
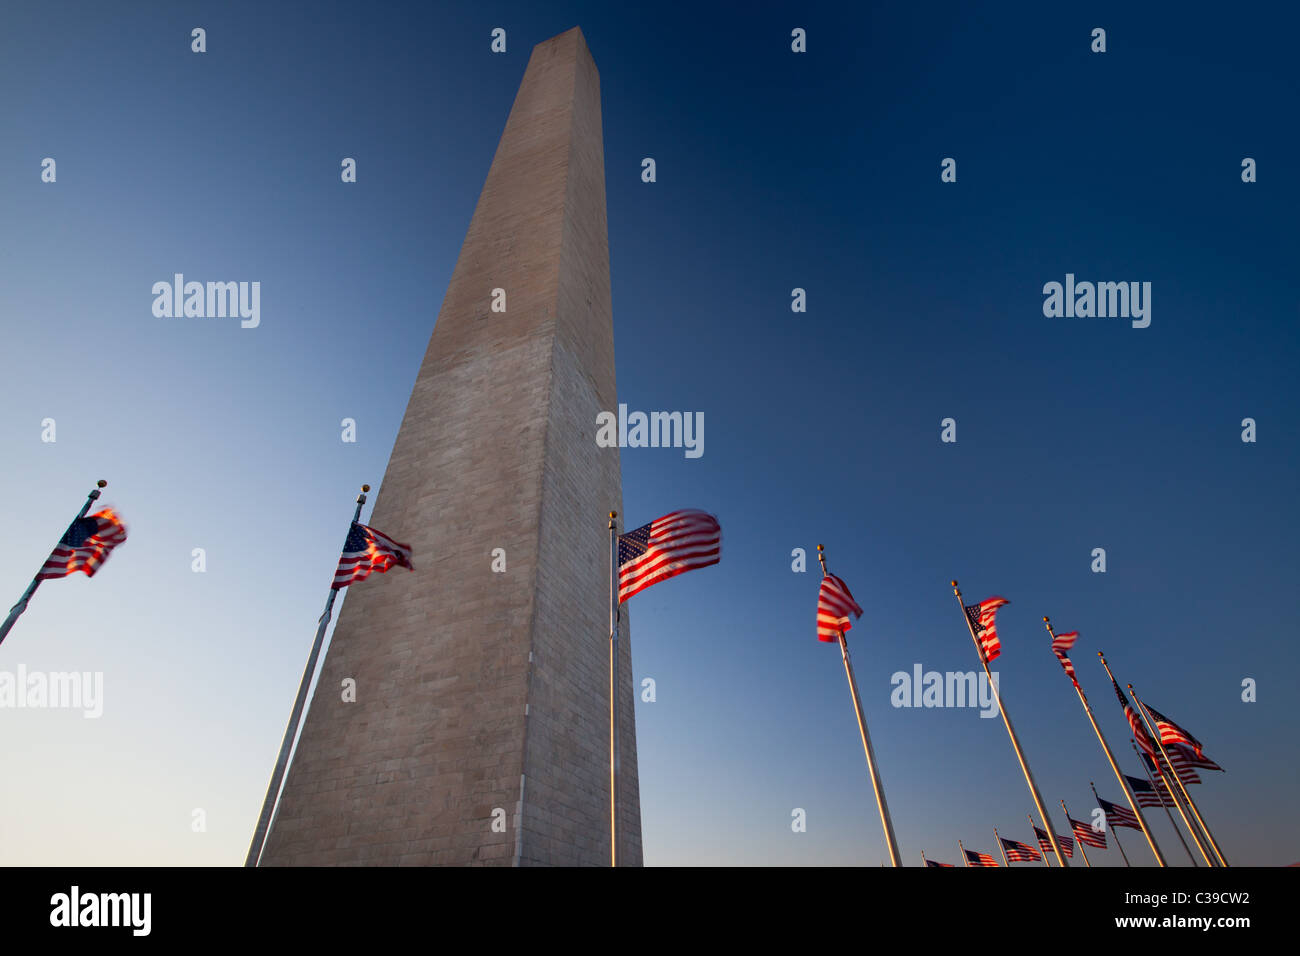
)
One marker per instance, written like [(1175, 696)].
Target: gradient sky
[(775, 171)]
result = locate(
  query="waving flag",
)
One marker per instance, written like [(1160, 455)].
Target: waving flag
[(1090, 837), (1018, 852), (1067, 845), (979, 859), (1135, 722), (1171, 733), (1061, 645), (1190, 758), (1119, 816), (1185, 773), (84, 546), (367, 551), (834, 605), (666, 547), (930, 862), (1148, 795), (983, 617)]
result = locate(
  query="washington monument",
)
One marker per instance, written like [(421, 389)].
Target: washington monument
[(480, 729)]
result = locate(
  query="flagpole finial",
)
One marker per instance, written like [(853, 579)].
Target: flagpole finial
[(365, 487), (613, 514), (1046, 619), (101, 483)]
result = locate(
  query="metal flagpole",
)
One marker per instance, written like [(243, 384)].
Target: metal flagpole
[(1006, 719), (1155, 788), (1114, 831), (998, 840), (1133, 804), (890, 840), (962, 850), (1077, 841), (613, 689), (1155, 731), (1034, 825), (17, 610), (282, 761), (923, 863)]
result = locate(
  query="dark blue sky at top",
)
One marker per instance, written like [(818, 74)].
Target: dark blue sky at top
[(775, 171)]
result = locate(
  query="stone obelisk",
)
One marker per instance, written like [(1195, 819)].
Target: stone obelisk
[(480, 729)]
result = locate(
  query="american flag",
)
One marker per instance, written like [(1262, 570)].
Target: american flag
[(666, 547), (1067, 845), (930, 862), (367, 551), (1087, 835), (983, 618), (1134, 722), (1018, 852), (1118, 816), (834, 605), (1190, 757), (1147, 795), (979, 859), (1061, 645), (1171, 733), (1185, 773), (85, 545)]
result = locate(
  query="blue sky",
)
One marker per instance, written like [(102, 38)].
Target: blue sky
[(775, 171)]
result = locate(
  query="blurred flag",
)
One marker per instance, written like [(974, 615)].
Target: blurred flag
[(84, 546), (1061, 645), (664, 548), (1018, 852), (367, 551), (834, 605), (983, 617), (1134, 722), (1171, 733), (929, 862), (1148, 795), (1090, 837), (1185, 773), (1190, 757), (1067, 845), (979, 859), (1119, 816)]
